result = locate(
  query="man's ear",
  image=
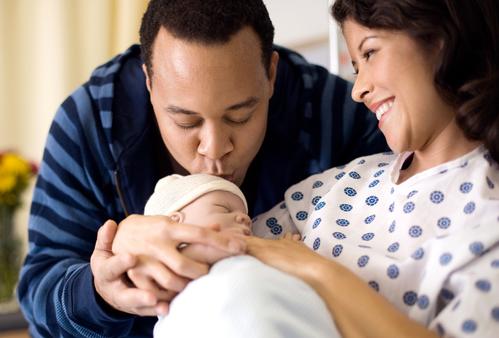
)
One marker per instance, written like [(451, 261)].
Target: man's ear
[(148, 79), (274, 61), (176, 216)]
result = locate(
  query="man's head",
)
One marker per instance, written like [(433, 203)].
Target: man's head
[(210, 71), (207, 22), (199, 199)]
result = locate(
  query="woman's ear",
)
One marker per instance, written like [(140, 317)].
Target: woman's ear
[(176, 216)]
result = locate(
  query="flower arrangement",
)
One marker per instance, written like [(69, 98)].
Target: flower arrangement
[(15, 175)]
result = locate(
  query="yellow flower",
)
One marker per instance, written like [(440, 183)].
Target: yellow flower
[(15, 173), (7, 182), (14, 164)]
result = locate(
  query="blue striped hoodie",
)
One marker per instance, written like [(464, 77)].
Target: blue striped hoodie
[(104, 154)]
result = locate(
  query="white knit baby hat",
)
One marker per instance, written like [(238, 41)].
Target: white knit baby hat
[(174, 192)]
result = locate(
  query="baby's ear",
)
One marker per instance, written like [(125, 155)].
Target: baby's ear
[(176, 217)]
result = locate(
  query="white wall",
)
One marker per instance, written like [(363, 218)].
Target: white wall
[(302, 25), (339, 57)]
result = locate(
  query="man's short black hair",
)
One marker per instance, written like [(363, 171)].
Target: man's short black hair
[(205, 21)]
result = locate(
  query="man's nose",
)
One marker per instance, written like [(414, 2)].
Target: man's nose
[(214, 141)]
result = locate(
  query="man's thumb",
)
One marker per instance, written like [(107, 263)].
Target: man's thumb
[(105, 236)]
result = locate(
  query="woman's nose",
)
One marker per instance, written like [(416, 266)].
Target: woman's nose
[(361, 87)]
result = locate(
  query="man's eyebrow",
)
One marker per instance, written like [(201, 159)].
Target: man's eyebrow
[(248, 103), (178, 110)]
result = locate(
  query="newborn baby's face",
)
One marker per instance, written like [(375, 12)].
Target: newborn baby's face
[(218, 207)]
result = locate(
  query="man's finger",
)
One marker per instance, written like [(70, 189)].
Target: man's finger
[(178, 263), (162, 309), (214, 227), (105, 236), (144, 283), (114, 267), (136, 300), (186, 233), (162, 275)]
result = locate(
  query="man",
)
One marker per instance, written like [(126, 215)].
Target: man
[(210, 94)]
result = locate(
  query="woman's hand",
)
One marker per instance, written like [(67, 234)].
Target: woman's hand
[(288, 254), (349, 299)]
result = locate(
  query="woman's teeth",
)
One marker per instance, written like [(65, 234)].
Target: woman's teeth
[(383, 109)]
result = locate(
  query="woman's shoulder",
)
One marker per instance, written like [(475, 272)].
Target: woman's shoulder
[(482, 172)]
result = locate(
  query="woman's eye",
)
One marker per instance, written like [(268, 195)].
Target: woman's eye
[(367, 55)]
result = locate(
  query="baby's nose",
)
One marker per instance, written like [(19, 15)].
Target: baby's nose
[(243, 219)]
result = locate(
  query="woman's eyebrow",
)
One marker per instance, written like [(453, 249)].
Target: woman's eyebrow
[(365, 39)]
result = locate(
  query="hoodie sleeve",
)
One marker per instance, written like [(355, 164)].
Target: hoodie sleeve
[(73, 197)]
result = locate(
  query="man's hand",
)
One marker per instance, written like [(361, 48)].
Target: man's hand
[(210, 255), (110, 279), (147, 249), (152, 275), (158, 237)]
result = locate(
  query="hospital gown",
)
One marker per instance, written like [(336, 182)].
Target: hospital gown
[(430, 245)]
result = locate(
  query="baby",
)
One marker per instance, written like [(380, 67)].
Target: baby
[(217, 304), (203, 200)]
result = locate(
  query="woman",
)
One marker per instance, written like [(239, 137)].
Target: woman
[(407, 244)]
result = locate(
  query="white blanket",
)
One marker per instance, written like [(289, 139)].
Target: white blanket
[(242, 297)]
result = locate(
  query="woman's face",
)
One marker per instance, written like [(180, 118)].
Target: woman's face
[(395, 81)]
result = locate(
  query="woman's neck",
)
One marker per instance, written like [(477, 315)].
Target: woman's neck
[(447, 146)]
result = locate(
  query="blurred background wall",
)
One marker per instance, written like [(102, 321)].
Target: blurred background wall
[(49, 47)]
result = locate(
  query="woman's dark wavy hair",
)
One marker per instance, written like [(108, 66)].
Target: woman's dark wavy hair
[(467, 75), (205, 21)]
